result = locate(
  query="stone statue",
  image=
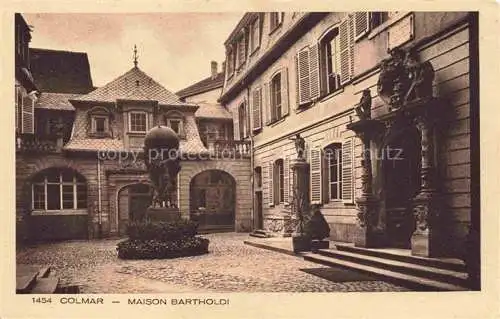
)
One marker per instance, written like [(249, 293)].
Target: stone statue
[(300, 145), (420, 75), (363, 110)]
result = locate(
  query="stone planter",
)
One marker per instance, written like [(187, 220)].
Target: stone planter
[(301, 243)]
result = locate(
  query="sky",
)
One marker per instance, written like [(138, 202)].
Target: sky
[(175, 49)]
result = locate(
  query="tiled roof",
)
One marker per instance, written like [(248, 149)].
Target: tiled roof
[(212, 110), (61, 71), (203, 86), (55, 101), (97, 144), (132, 81)]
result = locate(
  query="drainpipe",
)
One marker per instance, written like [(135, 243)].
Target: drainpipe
[(99, 201), (252, 179)]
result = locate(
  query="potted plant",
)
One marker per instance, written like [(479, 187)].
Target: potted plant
[(300, 239), (317, 230)]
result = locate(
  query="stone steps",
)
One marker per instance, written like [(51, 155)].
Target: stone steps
[(259, 233), (408, 268), (36, 280), (45, 286), (443, 263)]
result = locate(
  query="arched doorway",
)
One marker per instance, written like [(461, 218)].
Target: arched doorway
[(212, 196), (401, 175), (133, 200)]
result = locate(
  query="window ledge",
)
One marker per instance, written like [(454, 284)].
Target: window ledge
[(252, 53), (277, 27), (387, 24), (276, 122), (136, 133), (332, 94), (61, 212)]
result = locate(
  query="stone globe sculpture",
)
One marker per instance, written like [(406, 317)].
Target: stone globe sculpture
[(161, 156)]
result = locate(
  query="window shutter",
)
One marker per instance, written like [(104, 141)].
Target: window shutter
[(236, 121), (267, 104), (18, 106), (315, 178), (270, 184), (27, 115), (352, 41), (314, 71), (344, 55), (304, 86), (286, 180), (256, 109), (347, 171), (361, 23), (285, 105)]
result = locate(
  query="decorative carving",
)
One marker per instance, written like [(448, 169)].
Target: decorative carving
[(420, 75), (363, 110), (403, 78)]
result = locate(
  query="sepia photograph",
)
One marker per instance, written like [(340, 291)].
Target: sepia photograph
[(247, 152)]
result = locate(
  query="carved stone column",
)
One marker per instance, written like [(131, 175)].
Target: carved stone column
[(300, 193), (425, 240), (366, 232)]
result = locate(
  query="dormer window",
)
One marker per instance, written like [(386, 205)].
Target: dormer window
[(99, 122), (138, 122), (175, 121)]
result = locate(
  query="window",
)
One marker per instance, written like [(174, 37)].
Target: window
[(275, 20), (254, 35), (379, 18), (279, 189), (99, 124), (138, 122), (276, 97), (59, 189), (330, 62), (333, 172), (176, 125)]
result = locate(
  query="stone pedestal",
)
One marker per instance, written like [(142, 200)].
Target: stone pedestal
[(163, 214), (366, 234), (426, 241), (300, 192)]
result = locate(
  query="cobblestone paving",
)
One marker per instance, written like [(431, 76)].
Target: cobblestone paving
[(231, 266)]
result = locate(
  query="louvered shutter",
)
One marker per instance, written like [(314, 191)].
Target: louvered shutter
[(285, 105), (344, 51), (236, 121), (304, 86), (256, 109), (28, 115), (267, 104), (315, 176), (286, 180), (314, 71), (18, 106), (351, 46), (347, 171), (361, 23), (270, 184)]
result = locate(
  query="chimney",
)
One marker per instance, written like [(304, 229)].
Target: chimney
[(213, 65)]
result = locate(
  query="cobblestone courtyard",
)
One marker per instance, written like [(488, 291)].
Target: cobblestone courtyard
[(231, 266)]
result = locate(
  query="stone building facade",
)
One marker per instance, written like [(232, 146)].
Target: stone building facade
[(79, 167), (304, 73)]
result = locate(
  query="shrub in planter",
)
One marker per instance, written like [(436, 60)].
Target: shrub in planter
[(148, 230), (157, 249)]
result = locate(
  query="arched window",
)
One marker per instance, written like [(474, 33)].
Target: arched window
[(175, 120), (279, 182), (58, 189), (333, 172)]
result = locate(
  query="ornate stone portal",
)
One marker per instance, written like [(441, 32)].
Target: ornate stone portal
[(405, 85), (161, 146)]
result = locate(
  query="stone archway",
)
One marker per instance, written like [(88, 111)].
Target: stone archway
[(133, 200), (213, 200)]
